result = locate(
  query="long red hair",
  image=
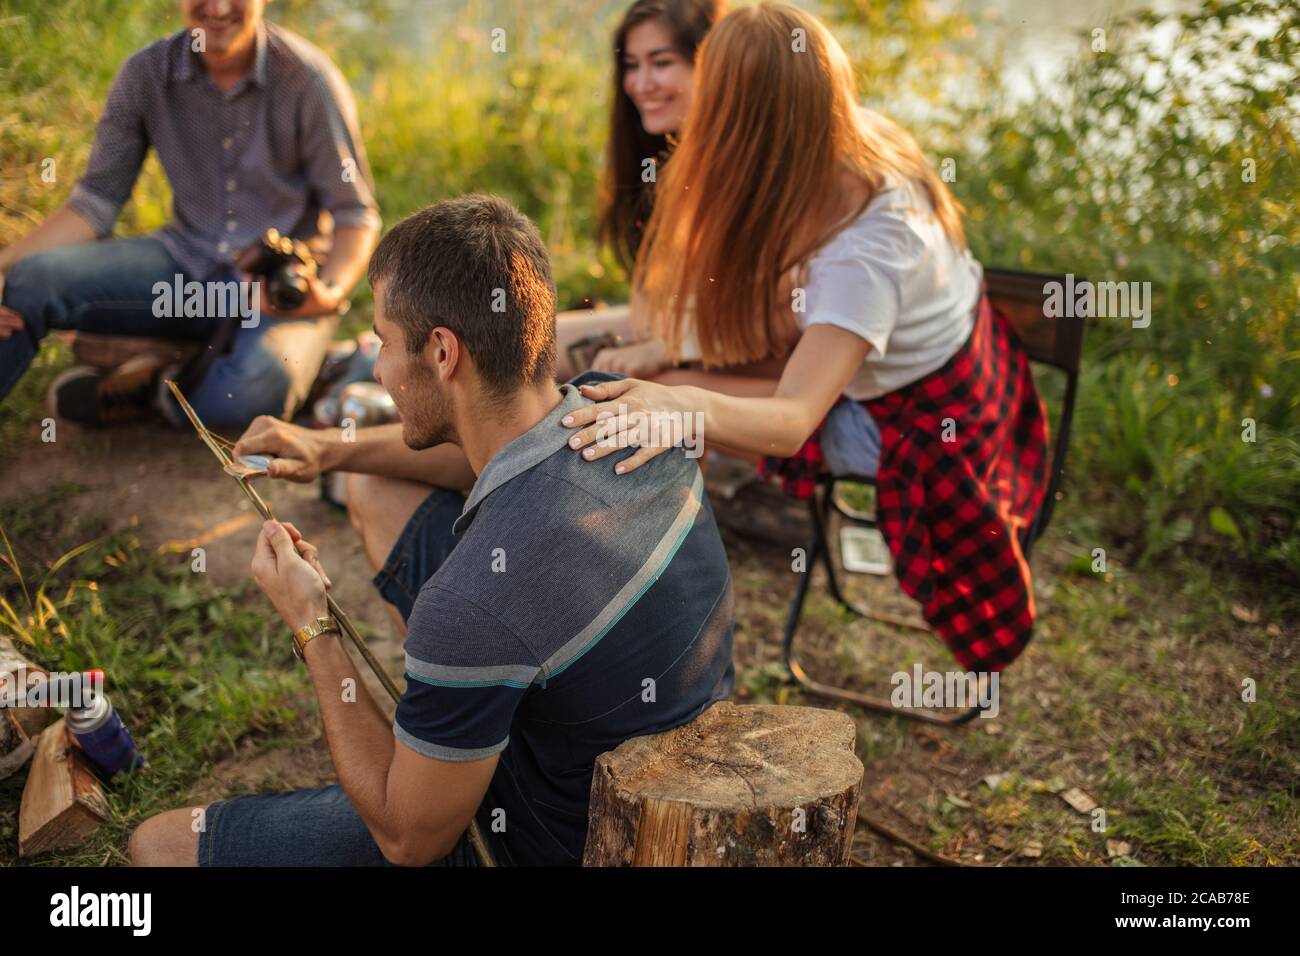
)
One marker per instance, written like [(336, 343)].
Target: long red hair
[(774, 123)]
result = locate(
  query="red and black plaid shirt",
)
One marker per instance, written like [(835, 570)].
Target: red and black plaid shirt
[(963, 469)]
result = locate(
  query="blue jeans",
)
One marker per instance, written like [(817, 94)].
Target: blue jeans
[(423, 545), (106, 287), (302, 828)]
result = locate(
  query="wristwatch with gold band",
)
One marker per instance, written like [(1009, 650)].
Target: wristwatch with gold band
[(308, 633)]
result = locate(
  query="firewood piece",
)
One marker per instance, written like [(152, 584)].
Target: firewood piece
[(107, 352), (12, 665), (759, 512), (18, 725), (759, 785), (15, 747), (63, 803)]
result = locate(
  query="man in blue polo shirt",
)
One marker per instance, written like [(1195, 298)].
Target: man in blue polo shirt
[(568, 609)]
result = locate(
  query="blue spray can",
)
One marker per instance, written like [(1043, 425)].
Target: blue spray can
[(103, 736)]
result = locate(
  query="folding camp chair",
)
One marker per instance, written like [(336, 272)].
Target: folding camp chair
[(1053, 341)]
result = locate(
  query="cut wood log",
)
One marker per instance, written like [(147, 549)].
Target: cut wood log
[(107, 352), (63, 803), (18, 725), (15, 747), (13, 664), (759, 512), (757, 785)]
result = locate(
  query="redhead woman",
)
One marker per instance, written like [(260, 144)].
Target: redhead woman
[(654, 56), (793, 226)]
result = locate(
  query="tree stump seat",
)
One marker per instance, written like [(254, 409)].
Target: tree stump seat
[(741, 785)]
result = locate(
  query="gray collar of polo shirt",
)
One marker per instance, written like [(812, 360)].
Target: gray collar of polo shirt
[(527, 451), (187, 64)]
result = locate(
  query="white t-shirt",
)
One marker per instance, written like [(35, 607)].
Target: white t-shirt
[(894, 278)]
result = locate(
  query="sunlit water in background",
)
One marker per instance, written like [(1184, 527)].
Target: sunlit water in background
[(1038, 37), (1041, 36)]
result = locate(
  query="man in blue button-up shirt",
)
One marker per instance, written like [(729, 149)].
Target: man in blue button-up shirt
[(255, 129)]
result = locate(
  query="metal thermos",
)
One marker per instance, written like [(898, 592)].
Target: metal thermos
[(363, 404)]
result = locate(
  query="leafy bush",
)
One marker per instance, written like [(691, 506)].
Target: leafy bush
[(1173, 162), (1170, 158)]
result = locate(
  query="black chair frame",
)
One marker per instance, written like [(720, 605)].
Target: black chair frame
[(1048, 340)]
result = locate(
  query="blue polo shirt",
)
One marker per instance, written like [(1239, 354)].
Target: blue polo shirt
[(578, 609)]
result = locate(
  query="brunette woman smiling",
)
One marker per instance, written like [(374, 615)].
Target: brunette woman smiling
[(653, 80)]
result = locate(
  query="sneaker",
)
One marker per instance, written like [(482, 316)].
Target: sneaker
[(88, 396)]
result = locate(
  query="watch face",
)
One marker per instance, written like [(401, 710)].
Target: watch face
[(301, 636), (309, 631)]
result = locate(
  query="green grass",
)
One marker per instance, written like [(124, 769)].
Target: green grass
[(193, 669), (1115, 178), (1131, 691), (25, 409)]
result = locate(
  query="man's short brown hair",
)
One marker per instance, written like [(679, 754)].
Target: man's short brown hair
[(477, 266)]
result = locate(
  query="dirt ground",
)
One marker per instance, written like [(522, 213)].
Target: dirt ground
[(169, 487), (918, 777)]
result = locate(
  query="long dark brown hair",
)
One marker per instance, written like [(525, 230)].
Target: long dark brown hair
[(625, 200)]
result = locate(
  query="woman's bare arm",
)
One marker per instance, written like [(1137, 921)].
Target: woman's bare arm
[(821, 367)]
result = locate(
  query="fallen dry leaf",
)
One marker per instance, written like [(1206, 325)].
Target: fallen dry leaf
[(995, 780), (1118, 848), (999, 842), (1079, 800), (1244, 614), (1033, 849)]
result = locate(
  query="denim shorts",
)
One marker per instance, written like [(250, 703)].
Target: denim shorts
[(320, 827), (300, 828), (850, 440), (423, 545)]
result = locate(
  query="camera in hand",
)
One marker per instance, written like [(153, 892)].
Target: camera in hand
[(284, 266)]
